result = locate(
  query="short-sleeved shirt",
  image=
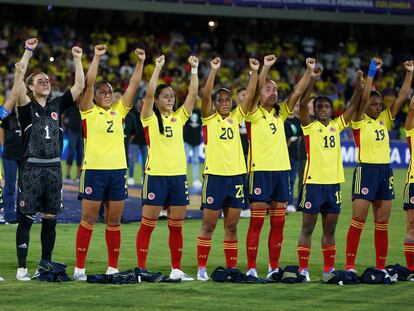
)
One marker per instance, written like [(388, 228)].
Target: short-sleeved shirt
[(323, 150), (104, 137), (267, 140), (42, 134), (166, 154), (224, 152), (371, 138), (410, 140)]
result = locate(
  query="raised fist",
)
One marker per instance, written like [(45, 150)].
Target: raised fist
[(160, 61), (310, 63), (254, 64), (316, 72), (269, 60), (378, 61), (193, 61), (77, 52), (215, 63), (408, 66), (100, 49), (140, 53), (31, 43)]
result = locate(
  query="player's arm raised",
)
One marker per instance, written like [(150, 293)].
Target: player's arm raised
[(405, 88), (251, 87), (191, 98), (147, 107), (206, 106), (135, 80), (304, 109), (356, 97), (29, 47), (13, 98), (409, 121), (79, 84)]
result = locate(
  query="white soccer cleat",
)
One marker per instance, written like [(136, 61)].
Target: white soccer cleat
[(252, 272), (271, 272), (111, 270), (22, 275), (330, 271), (131, 181), (245, 213), (177, 274), (290, 209), (305, 273), (202, 275), (79, 274)]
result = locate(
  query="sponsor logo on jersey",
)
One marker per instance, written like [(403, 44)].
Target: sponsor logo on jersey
[(54, 115), (365, 190), (88, 190), (308, 205), (257, 191), (210, 200), (151, 196)]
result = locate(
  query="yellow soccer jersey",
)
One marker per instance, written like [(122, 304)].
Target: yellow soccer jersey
[(166, 155), (104, 137), (323, 150), (410, 140), (267, 141), (371, 138), (224, 153)]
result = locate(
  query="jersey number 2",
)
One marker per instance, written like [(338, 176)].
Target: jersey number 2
[(110, 124)]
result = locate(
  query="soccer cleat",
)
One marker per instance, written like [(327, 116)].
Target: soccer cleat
[(271, 272), (305, 273), (79, 274), (111, 270), (326, 273), (252, 272), (131, 181), (22, 275), (245, 213), (177, 274), (202, 274)]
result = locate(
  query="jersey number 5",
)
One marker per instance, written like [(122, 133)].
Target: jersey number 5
[(110, 125), (168, 131)]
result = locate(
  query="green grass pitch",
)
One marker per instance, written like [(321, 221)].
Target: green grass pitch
[(35, 295)]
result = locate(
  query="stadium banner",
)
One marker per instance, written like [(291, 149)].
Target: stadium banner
[(372, 6)]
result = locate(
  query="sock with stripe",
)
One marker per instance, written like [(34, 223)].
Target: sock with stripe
[(231, 249), (143, 240), (352, 242), (203, 249), (83, 238), (113, 243), (409, 255), (253, 235), (175, 241), (381, 243), (329, 253), (277, 222), (303, 255)]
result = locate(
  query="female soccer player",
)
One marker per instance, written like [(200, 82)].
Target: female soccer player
[(373, 180), (103, 175), (324, 172), (165, 181), (409, 191), (268, 164), (40, 183), (224, 166)]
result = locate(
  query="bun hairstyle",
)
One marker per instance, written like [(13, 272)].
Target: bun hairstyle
[(157, 112)]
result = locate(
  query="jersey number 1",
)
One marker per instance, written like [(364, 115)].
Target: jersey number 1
[(47, 132)]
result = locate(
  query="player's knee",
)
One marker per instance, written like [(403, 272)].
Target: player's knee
[(208, 227), (410, 229), (113, 222), (307, 230), (89, 219), (231, 227)]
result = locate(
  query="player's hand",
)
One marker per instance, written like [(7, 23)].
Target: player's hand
[(408, 66), (31, 43), (193, 61), (254, 64), (310, 63), (317, 72), (100, 49), (269, 60), (215, 63), (160, 61), (77, 52), (140, 53)]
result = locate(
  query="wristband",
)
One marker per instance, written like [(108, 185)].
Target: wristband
[(372, 69), (194, 70), (3, 113), (29, 49)]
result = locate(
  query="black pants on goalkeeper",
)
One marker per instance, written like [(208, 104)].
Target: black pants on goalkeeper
[(40, 189)]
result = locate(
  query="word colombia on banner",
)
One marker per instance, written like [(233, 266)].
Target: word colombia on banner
[(371, 6), (399, 154)]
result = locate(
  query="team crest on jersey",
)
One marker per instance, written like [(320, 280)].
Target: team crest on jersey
[(54, 115), (365, 190), (230, 120), (308, 205), (257, 191), (173, 120), (412, 200), (113, 113), (210, 200), (22, 203), (88, 190), (151, 196), (332, 129)]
